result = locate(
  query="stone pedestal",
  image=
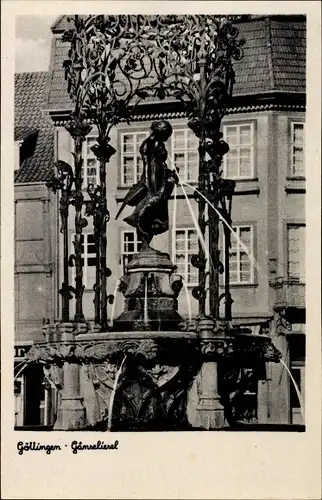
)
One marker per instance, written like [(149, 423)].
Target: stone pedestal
[(71, 412), (150, 288), (210, 409)]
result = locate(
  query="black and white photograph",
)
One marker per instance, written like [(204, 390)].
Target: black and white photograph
[(159, 227)]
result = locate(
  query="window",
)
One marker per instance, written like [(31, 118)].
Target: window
[(296, 252), (90, 169), (241, 269), (132, 165), (88, 260), (130, 246), (298, 168), (298, 374), (185, 154), (296, 345), (239, 161), (186, 245)]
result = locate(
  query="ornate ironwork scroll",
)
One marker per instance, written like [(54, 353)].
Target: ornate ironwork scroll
[(115, 62), (64, 182)]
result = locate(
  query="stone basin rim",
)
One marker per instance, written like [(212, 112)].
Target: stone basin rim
[(136, 335), (142, 335)]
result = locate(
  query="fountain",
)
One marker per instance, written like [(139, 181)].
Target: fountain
[(149, 369)]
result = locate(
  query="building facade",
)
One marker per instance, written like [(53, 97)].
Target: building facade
[(265, 129), (35, 241)]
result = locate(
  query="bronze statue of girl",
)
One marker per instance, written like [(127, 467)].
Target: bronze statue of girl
[(151, 194)]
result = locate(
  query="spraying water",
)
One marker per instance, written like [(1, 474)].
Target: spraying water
[(188, 299), (25, 363), (19, 364), (174, 228), (174, 220), (195, 221), (239, 241), (111, 404), (114, 301), (296, 389), (146, 319)]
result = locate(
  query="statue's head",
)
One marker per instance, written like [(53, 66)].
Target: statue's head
[(162, 130), (270, 352)]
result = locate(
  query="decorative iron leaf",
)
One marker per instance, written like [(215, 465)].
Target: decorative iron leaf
[(220, 268), (198, 293), (110, 299), (142, 93), (108, 272), (198, 262), (83, 222), (71, 260)]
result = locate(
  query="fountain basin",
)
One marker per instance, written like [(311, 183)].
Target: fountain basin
[(150, 375)]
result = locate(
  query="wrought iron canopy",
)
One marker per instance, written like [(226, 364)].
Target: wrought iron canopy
[(115, 62)]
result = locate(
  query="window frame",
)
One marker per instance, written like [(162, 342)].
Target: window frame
[(288, 225), (252, 146), (239, 226), (292, 173), (186, 130), (122, 244), (85, 257), (186, 229), (84, 166), (135, 153)]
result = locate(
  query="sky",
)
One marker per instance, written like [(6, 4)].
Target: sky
[(32, 43)]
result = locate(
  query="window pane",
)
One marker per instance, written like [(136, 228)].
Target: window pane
[(245, 169), (244, 153), (128, 170), (245, 134), (233, 276), (139, 167), (129, 236), (231, 131), (298, 132), (128, 143), (178, 139), (129, 247), (140, 138), (244, 268), (179, 159), (296, 373), (296, 252), (245, 236), (89, 143), (238, 161), (298, 167), (91, 249), (193, 141), (232, 168), (181, 268)]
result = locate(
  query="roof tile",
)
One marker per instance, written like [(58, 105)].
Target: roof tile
[(30, 101), (274, 59)]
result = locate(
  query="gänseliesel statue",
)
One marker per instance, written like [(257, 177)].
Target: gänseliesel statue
[(151, 194)]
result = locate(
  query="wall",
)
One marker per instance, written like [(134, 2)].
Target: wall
[(249, 206), (35, 292)]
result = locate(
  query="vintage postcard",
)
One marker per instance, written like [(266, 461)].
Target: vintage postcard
[(161, 250)]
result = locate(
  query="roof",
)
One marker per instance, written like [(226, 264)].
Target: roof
[(22, 132), (274, 58), (31, 120)]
